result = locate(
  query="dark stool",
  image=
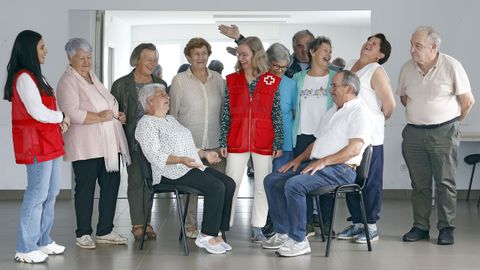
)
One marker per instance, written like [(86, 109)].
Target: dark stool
[(472, 160)]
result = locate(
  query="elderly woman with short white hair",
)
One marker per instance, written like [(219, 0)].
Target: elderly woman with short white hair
[(171, 151), (94, 144)]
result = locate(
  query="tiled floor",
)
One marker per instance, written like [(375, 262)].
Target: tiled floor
[(167, 253)]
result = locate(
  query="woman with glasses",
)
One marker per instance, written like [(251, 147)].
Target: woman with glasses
[(251, 124)]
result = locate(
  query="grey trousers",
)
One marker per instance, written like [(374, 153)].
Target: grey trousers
[(431, 155), (137, 191)]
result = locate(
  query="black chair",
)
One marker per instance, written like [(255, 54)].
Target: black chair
[(362, 174), (472, 160), (166, 188)]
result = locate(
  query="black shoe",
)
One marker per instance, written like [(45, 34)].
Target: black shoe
[(445, 237), (416, 234), (267, 230)]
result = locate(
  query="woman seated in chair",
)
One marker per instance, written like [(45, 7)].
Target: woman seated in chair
[(170, 149)]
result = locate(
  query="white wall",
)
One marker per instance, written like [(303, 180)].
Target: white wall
[(118, 37), (457, 22)]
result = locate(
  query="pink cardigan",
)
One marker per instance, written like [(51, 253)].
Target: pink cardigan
[(83, 141)]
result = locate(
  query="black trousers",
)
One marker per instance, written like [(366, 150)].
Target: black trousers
[(217, 189), (86, 174)]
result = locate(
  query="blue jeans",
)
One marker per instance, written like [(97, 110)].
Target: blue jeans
[(288, 191), (36, 212), (284, 159)]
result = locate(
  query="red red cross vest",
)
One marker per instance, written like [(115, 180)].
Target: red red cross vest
[(251, 125), (31, 138)]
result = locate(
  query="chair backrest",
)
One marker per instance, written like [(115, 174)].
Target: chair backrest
[(145, 167), (364, 168)]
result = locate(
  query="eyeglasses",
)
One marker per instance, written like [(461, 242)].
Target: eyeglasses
[(333, 85), (278, 67)]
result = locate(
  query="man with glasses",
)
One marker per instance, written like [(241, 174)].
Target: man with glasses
[(341, 137), (436, 93)]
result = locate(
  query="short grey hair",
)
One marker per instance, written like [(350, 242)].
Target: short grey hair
[(216, 65), (278, 52), (147, 91), (135, 56), (75, 44), (350, 78), (298, 35), (431, 33), (158, 71)]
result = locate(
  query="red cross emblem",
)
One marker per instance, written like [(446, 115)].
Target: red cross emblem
[(269, 80)]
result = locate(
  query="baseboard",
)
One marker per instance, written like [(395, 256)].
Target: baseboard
[(10, 195), (392, 194), (406, 194)]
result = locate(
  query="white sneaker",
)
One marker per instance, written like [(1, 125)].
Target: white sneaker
[(112, 238), (202, 242), (35, 256), (53, 249), (296, 249), (85, 241), (226, 246), (275, 242)]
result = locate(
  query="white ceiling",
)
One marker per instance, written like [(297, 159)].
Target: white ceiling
[(347, 17)]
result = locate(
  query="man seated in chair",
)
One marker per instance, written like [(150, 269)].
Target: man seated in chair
[(342, 136)]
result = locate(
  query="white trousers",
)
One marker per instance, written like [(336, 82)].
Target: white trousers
[(262, 164)]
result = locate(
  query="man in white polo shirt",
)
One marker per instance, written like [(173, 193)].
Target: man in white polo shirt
[(436, 93), (341, 137)]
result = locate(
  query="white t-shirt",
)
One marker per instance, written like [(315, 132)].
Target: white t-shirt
[(313, 103), (338, 126), (371, 100)]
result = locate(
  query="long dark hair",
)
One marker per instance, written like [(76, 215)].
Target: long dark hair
[(24, 56)]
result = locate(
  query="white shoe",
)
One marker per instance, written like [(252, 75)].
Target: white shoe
[(202, 242), (52, 249), (112, 238), (85, 241), (275, 242), (35, 256), (226, 246), (295, 249)]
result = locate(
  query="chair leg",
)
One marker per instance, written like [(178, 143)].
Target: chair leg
[(147, 216), (364, 220), (329, 238), (185, 211), (471, 180), (316, 199), (182, 222)]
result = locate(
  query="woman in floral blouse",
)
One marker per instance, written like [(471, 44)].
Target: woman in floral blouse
[(170, 149)]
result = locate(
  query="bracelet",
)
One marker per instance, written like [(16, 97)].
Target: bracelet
[(63, 118)]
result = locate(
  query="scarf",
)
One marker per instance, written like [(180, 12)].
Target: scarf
[(111, 132)]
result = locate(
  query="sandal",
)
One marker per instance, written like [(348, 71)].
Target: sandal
[(150, 233), (137, 231)]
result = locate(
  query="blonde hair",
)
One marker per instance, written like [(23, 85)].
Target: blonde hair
[(259, 60)]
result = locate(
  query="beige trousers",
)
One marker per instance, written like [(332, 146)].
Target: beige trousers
[(262, 164)]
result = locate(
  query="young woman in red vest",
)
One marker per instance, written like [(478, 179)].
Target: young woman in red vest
[(251, 124), (37, 129)]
